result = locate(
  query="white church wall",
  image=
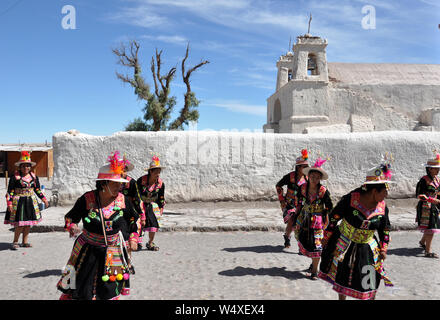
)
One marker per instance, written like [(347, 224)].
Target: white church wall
[(410, 100), (236, 166)]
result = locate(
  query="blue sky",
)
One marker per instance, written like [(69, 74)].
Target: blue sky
[(53, 79)]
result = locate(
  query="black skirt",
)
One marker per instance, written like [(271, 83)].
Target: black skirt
[(151, 218), (89, 267), (355, 275), (26, 213)]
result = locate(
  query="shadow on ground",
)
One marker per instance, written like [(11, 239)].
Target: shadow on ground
[(260, 249), (406, 252), (5, 246), (274, 272), (44, 273)]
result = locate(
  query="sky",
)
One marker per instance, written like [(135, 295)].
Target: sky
[(58, 72)]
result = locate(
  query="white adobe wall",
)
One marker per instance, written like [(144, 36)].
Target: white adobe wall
[(208, 166)]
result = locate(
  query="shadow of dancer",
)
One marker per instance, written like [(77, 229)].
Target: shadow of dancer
[(44, 273), (260, 249), (273, 272)]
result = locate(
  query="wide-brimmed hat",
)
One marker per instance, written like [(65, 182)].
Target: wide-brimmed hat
[(25, 157), (317, 166), (113, 170), (302, 160), (155, 164), (106, 173), (381, 173), (433, 163)]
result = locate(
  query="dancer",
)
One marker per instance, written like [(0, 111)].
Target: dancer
[(352, 259), (22, 206), (130, 190), (288, 202), (427, 191), (314, 203), (99, 265), (152, 192)]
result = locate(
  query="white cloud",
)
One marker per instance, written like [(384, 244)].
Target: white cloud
[(239, 14), (140, 16), (179, 40), (431, 2), (236, 106)]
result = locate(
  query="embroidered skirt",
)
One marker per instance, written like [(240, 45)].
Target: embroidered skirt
[(289, 213), (95, 271), (428, 218), (153, 215), (309, 234), (25, 211), (353, 268)]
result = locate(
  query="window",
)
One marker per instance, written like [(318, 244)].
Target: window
[(312, 66)]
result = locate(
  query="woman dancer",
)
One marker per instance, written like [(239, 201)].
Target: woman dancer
[(152, 192), (314, 203), (427, 191), (352, 259), (99, 265), (22, 207), (288, 202)]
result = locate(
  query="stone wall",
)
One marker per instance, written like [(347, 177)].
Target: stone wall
[(237, 166)]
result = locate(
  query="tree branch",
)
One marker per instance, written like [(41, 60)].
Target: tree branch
[(189, 96)]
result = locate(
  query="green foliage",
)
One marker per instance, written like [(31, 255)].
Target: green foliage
[(137, 125), (159, 105)]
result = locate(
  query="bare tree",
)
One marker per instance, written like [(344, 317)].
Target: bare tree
[(159, 104)]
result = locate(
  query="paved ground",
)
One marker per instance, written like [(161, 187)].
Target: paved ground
[(213, 265), (244, 259)]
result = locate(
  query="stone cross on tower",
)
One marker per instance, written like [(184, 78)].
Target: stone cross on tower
[(310, 20)]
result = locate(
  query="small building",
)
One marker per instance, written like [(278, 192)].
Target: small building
[(41, 154)]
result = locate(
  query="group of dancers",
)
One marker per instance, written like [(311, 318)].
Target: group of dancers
[(340, 240), (115, 216)]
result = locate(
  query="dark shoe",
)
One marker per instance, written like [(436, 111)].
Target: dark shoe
[(309, 270), (431, 255), (14, 246), (153, 247), (314, 276), (139, 247), (286, 241), (131, 269), (422, 245)]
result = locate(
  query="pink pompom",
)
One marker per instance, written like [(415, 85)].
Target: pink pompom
[(388, 174), (126, 276), (319, 162)]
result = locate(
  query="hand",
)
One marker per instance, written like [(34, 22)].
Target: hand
[(423, 197), (10, 208), (46, 203), (133, 245), (382, 256), (282, 204), (143, 223), (74, 230)]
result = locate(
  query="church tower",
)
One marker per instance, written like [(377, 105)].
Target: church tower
[(304, 70), (309, 62)]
